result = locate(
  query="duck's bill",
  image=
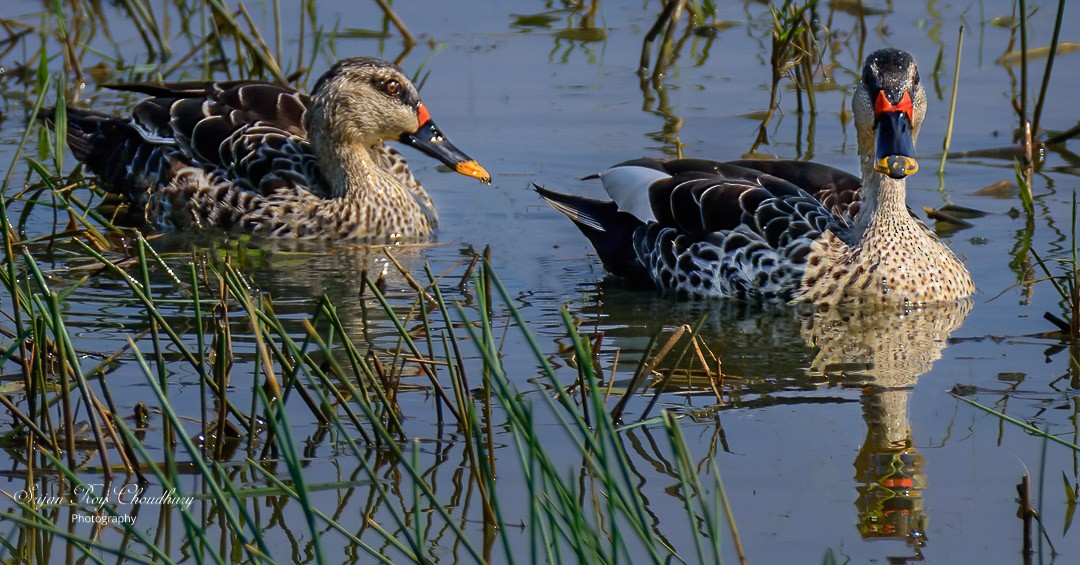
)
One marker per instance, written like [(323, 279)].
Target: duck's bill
[(431, 140), (895, 149)]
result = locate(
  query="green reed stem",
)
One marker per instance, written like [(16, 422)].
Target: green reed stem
[(726, 505), (602, 455), (471, 423), (253, 46), (147, 302), (1023, 64), (67, 352), (377, 554), (561, 396), (43, 524), (688, 485), (376, 480), (71, 57), (388, 439), (359, 365), (1023, 425), (616, 460), (167, 432), (235, 523), (418, 511), (60, 125), (1049, 67), (410, 343), (295, 465), (952, 107)]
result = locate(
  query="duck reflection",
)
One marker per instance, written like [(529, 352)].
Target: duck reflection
[(889, 348), (296, 273), (882, 349)]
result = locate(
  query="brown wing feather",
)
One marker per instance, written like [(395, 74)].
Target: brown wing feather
[(252, 134)]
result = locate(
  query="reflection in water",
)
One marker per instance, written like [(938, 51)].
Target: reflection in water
[(889, 472), (883, 349), (891, 348)]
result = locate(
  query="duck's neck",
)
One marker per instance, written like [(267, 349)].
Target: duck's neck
[(350, 172), (884, 202), (344, 154), (364, 198)]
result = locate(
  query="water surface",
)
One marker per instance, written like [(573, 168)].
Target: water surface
[(804, 447)]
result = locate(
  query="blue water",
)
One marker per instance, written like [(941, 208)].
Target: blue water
[(534, 106)]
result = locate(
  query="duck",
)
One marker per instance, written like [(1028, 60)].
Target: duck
[(270, 160), (782, 230)]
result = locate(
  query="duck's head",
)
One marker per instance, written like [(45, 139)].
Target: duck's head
[(363, 101), (889, 106)]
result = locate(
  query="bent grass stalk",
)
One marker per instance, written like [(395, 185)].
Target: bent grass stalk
[(1022, 425)]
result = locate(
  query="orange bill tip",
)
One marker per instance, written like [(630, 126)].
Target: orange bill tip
[(897, 166), (473, 169)]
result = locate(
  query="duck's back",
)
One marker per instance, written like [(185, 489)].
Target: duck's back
[(250, 134), (706, 228)]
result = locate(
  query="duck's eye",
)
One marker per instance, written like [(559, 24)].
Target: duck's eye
[(915, 80), (392, 87)]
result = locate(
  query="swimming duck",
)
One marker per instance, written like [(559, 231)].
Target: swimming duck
[(267, 159), (782, 230)]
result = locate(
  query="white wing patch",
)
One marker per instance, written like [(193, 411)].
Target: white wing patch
[(628, 186)]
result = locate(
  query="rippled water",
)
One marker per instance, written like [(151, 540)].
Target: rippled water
[(806, 451)]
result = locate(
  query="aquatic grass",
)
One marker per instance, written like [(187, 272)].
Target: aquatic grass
[(1067, 285), (292, 460), (354, 393), (649, 367), (701, 30), (47, 525), (1029, 131), (1032, 430), (695, 343), (389, 441), (1045, 87), (600, 448), (795, 51), (952, 107), (602, 454), (665, 24), (701, 22), (219, 493), (1072, 497), (251, 40), (569, 524), (141, 14), (71, 58), (391, 15)]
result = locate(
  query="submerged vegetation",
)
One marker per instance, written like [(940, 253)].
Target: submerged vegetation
[(421, 411)]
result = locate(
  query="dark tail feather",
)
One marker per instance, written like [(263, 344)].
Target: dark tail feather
[(111, 149), (84, 127), (610, 230)]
